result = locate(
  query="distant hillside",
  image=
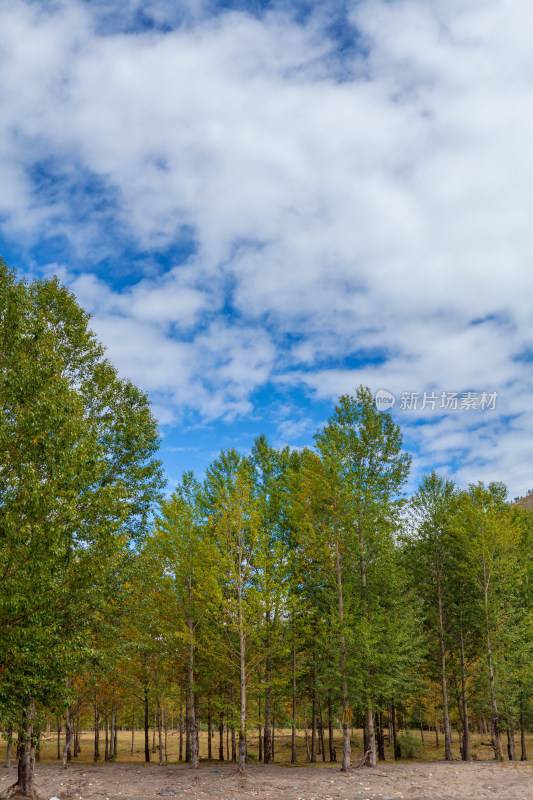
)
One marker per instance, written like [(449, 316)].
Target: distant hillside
[(525, 502)]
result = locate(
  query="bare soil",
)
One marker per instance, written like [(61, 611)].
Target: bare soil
[(389, 781)]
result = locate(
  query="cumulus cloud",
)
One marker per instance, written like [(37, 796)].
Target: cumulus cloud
[(356, 217)]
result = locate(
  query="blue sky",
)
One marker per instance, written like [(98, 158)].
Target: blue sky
[(264, 205)]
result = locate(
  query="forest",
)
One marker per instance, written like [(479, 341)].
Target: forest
[(284, 590)]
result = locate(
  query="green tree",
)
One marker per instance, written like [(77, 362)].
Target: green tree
[(360, 448), (77, 478)]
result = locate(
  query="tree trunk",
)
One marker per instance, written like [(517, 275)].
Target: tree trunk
[(523, 749), (133, 732), (96, 730), (233, 743), (160, 732), (193, 729), (267, 745), (395, 745), (221, 737), (68, 739), (381, 737), (511, 749), (346, 711), (59, 739), (166, 732), (181, 733), (242, 680), (293, 729), (467, 753), (331, 745), (370, 738), (24, 786), (313, 713), (187, 730), (112, 738), (445, 710), (209, 733), (496, 733), (146, 726)]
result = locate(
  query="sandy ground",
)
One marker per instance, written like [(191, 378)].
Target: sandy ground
[(408, 781)]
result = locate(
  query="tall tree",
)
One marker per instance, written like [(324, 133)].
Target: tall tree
[(362, 448), (77, 477), (433, 508)]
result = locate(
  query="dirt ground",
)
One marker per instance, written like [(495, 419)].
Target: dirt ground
[(389, 781)]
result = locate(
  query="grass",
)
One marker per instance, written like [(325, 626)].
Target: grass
[(427, 751)]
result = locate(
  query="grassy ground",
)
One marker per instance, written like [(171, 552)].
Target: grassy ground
[(427, 751)]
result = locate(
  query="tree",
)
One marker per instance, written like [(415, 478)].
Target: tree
[(234, 522), (186, 559), (360, 448), (77, 479), (432, 514)]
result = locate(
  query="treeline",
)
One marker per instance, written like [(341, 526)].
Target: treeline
[(296, 589)]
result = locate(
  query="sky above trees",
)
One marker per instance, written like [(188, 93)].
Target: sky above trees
[(264, 205)]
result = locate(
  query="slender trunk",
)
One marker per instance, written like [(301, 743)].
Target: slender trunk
[(267, 746), (496, 733), (209, 734), (242, 717), (59, 739), (371, 740), (293, 729), (227, 742), (511, 749), (25, 786), (133, 732), (187, 730), (68, 739), (346, 711), (112, 734), (381, 737), (106, 727), (259, 729), (96, 730), (273, 738), (233, 743), (221, 737), (115, 736), (307, 758), (76, 735), (523, 749), (467, 752), (181, 733), (146, 726), (445, 711), (313, 713), (395, 745), (154, 730), (166, 733), (194, 761), (332, 752), (160, 732)]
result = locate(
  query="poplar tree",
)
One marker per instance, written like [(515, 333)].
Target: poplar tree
[(361, 449), (77, 479)]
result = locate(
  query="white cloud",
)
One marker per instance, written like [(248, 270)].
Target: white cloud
[(383, 213)]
